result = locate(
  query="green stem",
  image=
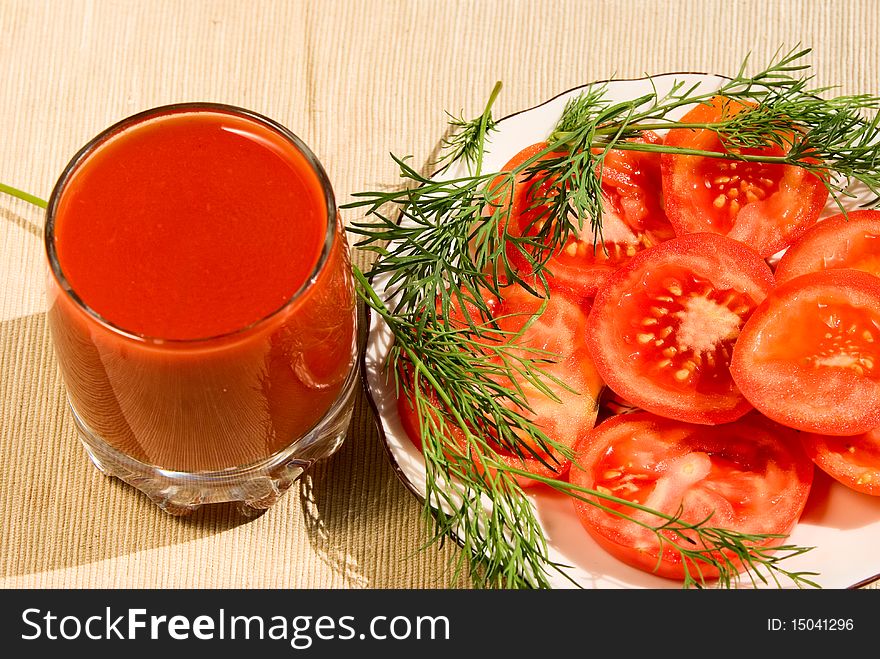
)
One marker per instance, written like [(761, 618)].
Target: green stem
[(714, 126), (24, 196), (723, 155), (484, 122)]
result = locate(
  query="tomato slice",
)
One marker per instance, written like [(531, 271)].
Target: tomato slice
[(662, 328), (809, 357), (853, 461), (632, 220), (558, 330), (766, 206), (750, 476), (843, 241)]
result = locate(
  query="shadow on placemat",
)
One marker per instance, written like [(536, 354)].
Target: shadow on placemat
[(364, 523), (22, 223), (361, 521), (58, 511)]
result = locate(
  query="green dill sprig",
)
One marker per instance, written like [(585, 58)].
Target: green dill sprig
[(461, 392), (467, 138), (442, 244)]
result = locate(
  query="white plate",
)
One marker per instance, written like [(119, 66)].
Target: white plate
[(842, 525)]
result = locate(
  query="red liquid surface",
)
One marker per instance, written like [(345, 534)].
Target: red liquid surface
[(187, 227), (190, 226)]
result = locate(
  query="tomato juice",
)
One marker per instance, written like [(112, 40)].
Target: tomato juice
[(201, 304)]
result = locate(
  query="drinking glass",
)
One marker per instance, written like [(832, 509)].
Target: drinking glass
[(236, 416)]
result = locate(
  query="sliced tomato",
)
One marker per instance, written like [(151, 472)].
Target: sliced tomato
[(750, 476), (632, 219), (843, 241), (559, 332), (662, 328), (809, 357), (766, 206), (853, 461)]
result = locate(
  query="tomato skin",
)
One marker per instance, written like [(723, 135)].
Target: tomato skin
[(791, 198), (633, 219), (621, 315), (849, 241), (558, 330), (750, 476), (852, 461), (809, 355)]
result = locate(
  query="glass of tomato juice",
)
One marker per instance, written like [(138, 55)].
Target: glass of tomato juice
[(201, 305)]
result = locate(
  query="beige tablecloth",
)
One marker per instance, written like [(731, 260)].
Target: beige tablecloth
[(355, 80)]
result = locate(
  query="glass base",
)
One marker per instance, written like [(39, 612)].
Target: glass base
[(256, 486)]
